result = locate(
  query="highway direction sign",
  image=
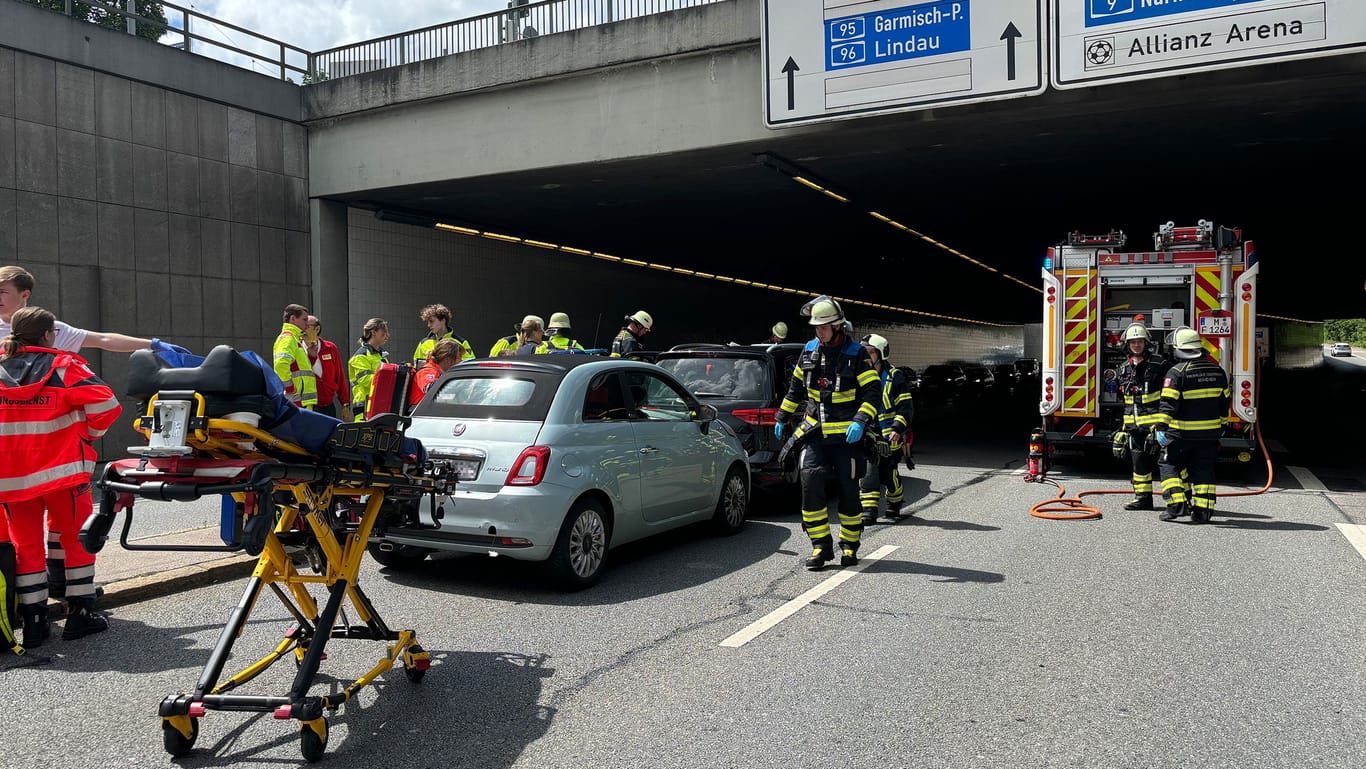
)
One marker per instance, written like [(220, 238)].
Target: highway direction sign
[(832, 59), (1114, 41)]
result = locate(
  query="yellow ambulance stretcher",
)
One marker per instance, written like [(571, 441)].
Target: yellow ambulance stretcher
[(306, 509)]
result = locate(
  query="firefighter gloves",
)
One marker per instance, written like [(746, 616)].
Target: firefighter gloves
[(854, 434), (1120, 445), (778, 428), (1162, 439)]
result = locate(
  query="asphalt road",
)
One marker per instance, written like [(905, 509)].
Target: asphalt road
[(984, 637)]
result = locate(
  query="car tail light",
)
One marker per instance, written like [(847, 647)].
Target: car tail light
[(529, 468), (757, 417)]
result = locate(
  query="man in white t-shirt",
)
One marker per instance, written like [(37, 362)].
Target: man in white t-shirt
[(16, 285)]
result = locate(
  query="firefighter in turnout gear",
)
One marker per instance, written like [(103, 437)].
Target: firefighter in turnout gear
[(1140, 382), (628, 340), (835, 379), (1191, 416), (895, 409)]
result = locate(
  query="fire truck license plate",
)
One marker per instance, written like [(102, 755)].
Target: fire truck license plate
[(1215, 325)]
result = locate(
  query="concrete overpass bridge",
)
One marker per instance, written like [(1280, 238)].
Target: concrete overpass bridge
[(645, 139), (598, 171)]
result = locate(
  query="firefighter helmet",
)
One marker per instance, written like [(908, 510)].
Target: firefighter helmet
[(823, 311), (779, 330), (559, 321), (877, 342), (1137, 331), (643, 318), (532, 321), (1186, 344)]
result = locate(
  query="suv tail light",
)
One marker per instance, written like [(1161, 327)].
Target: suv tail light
[(530, 466), (757, 417)]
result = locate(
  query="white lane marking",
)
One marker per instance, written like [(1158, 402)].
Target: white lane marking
[(1356, 534), (1308, 480), (793, 606)]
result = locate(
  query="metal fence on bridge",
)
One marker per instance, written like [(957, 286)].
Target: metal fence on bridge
[(522, 20)]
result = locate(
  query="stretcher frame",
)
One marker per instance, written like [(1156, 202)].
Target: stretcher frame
[(313, 541)]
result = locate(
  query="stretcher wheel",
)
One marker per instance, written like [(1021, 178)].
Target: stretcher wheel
[(313, 739), (178, 744), (415, 663)]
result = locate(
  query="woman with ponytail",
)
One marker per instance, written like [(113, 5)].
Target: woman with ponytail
[(52, 407)]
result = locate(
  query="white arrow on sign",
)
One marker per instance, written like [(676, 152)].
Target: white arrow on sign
[(1116, 41), (834, 59)]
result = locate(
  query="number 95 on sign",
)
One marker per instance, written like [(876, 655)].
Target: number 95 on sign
[(848, 45)]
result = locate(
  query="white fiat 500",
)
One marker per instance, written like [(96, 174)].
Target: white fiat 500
[(560, 458)]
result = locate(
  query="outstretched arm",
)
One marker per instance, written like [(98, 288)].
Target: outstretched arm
[(115, 342)]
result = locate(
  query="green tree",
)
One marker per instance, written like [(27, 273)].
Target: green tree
[(106, 14)]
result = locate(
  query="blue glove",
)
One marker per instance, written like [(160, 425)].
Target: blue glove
[(855, 433), (778, 430), (1162, 439), (160, 346)]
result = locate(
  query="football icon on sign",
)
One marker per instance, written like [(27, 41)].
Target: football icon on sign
[(1100, 52)]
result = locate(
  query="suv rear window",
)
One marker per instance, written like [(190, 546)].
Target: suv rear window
[(717, 377), (478, 394)]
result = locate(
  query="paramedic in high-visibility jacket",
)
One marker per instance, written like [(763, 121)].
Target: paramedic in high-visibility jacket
[(365, 361), (291, 361), (894, 413), (1191, 417), (437, 318), (52, 406), (835, 379)]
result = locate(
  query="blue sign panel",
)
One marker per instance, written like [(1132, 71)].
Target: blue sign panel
[(929, 29), (1101, 12)]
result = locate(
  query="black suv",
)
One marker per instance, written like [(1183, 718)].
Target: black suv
[(746, 384)]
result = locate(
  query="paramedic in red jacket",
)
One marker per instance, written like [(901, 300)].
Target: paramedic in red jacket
[(51, 408), (445, 354), (330, 368)]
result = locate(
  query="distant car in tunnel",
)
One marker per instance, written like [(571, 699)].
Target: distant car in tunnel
[(1341, 350), (942, 382)]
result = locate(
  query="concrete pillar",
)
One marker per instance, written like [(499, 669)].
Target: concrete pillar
[(331, 274)]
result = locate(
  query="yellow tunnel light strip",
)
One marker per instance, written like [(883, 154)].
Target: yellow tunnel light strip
[(1291, 320), (709, 276), (840, 198), (454, 228)]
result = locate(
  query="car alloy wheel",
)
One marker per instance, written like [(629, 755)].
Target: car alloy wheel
[(587, 543), (733, 505)]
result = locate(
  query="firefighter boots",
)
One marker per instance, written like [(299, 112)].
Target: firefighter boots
[(1140, 502), (869, 517), (822, 551), (83, 620), (1173, 512), (35, 625), (893, 512), (848, 557), (1201, 514)]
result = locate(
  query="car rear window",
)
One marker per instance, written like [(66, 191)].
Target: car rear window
[(718, 377), (478, 394)]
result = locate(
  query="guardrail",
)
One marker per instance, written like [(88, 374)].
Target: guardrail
[(182, 28), (177, 27), (521, 20)]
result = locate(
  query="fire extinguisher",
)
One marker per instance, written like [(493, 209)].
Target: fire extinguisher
[(1036, 468)]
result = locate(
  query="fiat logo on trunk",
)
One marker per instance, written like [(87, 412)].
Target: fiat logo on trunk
[(458, 430)]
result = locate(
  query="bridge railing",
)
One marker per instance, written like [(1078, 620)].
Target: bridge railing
[(181, 27), (521, 20)]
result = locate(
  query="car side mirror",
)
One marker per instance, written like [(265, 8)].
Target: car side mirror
[(706, 414)]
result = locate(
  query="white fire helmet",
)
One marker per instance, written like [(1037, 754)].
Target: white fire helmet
[(1186, 344), (823, 310), (780, 330), (877, 342), (559, 321), (643, 318)]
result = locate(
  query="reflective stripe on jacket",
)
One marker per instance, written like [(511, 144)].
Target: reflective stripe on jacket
[(292, 365), (895, 408), (625, 343), (838, 384), (51, 407), (1194, 404), (424, 348), (560, 342), (1141, 385), (361, 368)]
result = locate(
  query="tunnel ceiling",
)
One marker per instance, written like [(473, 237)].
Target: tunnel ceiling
[(1276, 150)]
